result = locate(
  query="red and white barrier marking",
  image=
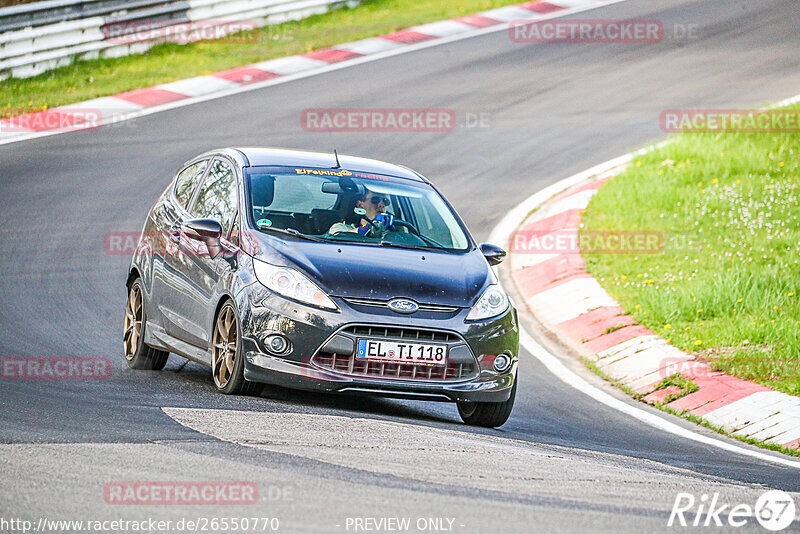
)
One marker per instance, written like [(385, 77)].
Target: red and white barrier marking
[(569, 301), (133, 103)]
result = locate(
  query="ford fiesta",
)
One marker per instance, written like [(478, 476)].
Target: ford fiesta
[(321, 272)]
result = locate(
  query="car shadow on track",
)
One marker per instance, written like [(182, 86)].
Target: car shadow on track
[(286, 399)]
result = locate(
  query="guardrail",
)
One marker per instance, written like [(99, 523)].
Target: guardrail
[(43, 35), (53, 11)]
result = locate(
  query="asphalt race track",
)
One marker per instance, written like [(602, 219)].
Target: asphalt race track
[(561, 463)]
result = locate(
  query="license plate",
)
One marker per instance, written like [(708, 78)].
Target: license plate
[(392, 351)]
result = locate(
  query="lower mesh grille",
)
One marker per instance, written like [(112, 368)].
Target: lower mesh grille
[(349, 365)]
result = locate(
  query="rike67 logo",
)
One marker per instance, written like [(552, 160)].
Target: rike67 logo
[(774, 510)]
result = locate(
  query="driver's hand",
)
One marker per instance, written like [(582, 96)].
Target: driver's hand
[(386, 219)]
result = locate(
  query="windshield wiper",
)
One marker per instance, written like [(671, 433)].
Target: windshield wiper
[(385, 243), (295, 233), (432, 242)]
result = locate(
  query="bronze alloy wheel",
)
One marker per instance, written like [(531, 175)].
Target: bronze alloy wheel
[(137, 353), (132, 328), (224, 348)]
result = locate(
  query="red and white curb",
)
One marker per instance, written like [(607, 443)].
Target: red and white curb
[(92, 114), (571, 303)]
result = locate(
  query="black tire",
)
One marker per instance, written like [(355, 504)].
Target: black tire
[(488, 414), (137, 353), (229, 381)]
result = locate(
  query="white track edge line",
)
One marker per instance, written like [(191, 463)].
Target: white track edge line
[(554, 365), (306, 74), (501, 234)]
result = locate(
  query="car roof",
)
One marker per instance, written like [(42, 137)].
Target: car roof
[(260, 156)]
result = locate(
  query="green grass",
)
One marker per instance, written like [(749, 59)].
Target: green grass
[(689, 416), (6, 3), (83, 80), (679, 381), (615, 328), (726, 285)]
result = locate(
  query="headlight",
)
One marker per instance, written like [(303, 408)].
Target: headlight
[(494, 301), (291, 283)]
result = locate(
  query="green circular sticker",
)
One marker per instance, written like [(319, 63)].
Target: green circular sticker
[(261, 223)]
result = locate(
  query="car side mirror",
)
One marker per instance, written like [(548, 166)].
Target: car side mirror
[(207, 230), (493, 254)]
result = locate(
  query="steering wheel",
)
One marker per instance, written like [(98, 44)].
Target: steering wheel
[(378, 230), (406, 224)]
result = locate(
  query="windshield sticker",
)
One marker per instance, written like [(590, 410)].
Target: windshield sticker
[(370, 176), (342, 172), (323, 172), (263, 223)]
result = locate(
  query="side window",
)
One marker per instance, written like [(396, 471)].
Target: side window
[(187, 182), (217, 197)]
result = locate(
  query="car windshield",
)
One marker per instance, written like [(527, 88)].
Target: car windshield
[(329, 204)]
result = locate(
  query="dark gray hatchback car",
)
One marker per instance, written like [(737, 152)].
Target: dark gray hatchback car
[(321, 272)]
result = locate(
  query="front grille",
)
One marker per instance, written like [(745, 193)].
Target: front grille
[(385, 303), (416, 334), (349, 365), (405, 371)]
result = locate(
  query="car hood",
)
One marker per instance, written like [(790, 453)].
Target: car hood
[(382, 272)]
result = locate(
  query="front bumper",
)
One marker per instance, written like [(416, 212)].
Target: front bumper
[(309, 329), (272, 370)]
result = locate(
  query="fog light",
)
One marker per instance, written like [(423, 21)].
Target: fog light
[(502, 363), (277, 344)]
